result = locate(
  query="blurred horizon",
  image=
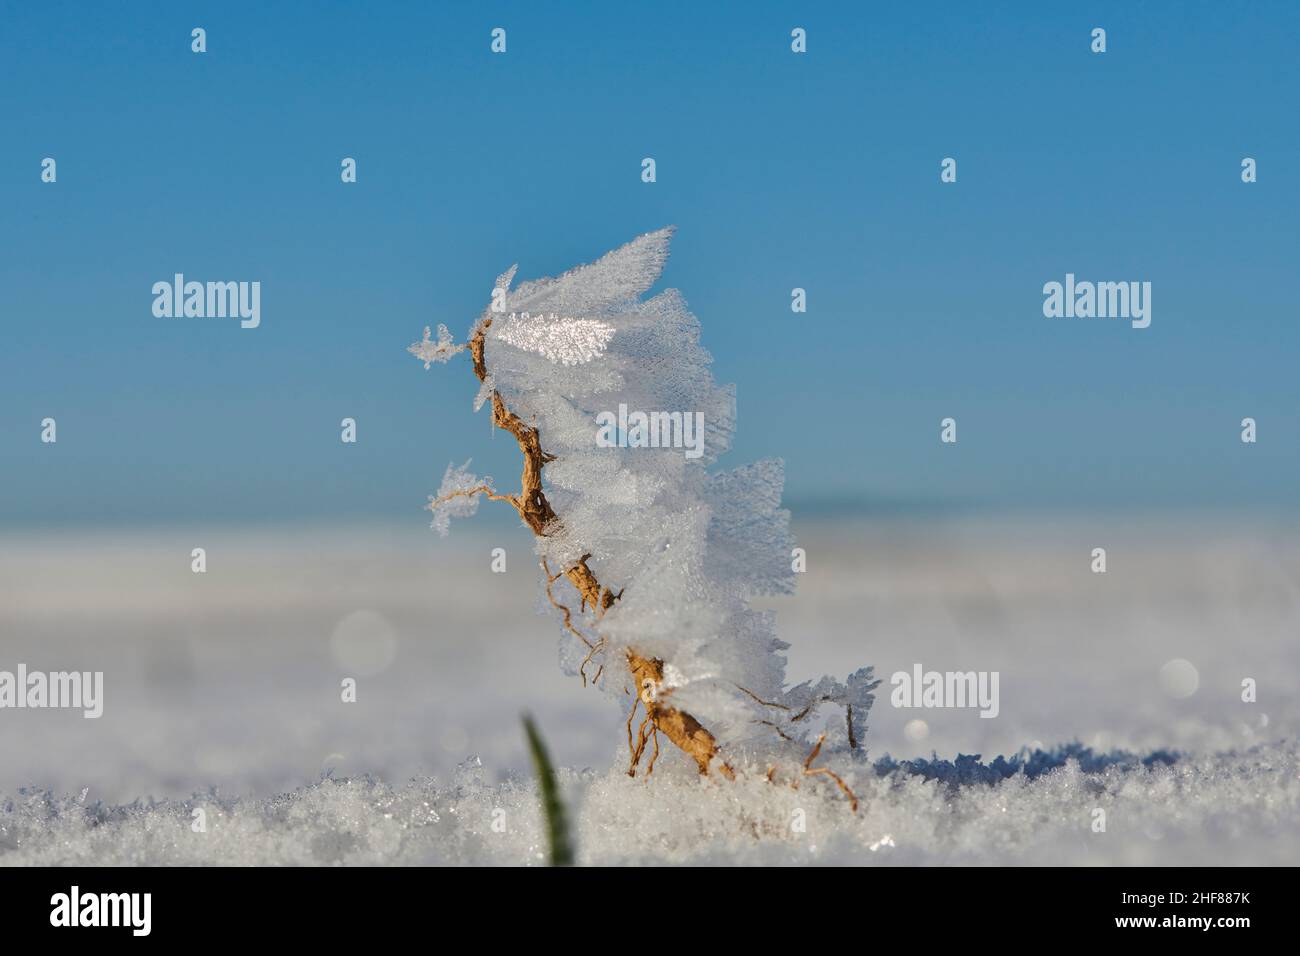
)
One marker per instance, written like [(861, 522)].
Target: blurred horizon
[(808, 513), (230, 679)]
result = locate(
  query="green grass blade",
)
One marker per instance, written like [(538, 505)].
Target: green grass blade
[(557, 824)]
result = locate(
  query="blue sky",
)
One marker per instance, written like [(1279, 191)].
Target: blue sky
[(780, 170)]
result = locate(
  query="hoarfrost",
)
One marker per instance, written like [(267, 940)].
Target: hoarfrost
[(457, 496), (561, 339), (428, 351), (684, 550)]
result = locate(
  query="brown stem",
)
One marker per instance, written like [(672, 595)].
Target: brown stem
[(810, 771), (647, 673)]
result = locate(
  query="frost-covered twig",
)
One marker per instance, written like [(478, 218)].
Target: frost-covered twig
[(691, 548), (810, 771)]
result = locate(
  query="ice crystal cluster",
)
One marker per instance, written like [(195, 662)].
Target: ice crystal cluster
[(457, 496), (429, 351), (683, 546), (566, 340)]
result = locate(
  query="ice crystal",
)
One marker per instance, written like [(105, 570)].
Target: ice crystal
[(457, 496), (561, 339), (429, 351)]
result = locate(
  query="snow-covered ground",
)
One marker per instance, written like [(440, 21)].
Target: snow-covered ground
[(222, 692)]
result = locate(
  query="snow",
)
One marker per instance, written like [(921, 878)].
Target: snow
[(1215, 809), (226, 685)]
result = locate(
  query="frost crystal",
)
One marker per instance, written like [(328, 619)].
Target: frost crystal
[(561, 339), (457, 496), (680, 549), (429, 351)]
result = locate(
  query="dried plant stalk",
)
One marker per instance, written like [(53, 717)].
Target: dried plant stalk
[(646, 673), (810, 771)]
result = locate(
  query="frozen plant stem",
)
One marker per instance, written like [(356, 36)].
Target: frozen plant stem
[(536, 512), (691, 547)]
